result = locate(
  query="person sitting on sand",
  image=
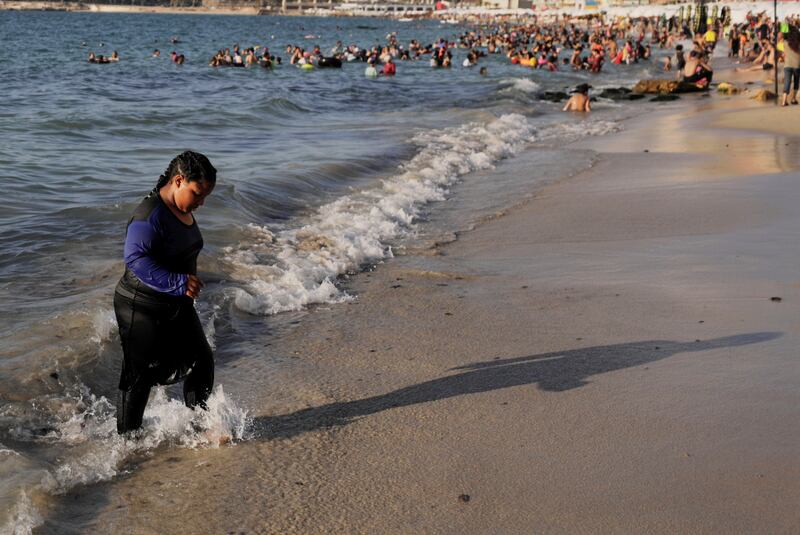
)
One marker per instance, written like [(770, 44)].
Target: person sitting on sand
[(697, 71), (764, 61), (579, 101)]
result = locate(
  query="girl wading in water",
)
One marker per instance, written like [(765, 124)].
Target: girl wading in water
[(162, 339)]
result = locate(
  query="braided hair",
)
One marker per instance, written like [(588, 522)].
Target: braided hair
[(193, 166)]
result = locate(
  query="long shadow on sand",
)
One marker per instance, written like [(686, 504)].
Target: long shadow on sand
[(552, 372)]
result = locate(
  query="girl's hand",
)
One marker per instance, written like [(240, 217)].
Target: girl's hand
[(193, 286)]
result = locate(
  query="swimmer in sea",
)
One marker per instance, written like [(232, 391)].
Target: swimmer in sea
[(371, 71), (389, 68), (579, 101), (162, 339)]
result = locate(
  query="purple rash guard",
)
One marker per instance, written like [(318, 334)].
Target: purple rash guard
[(160, 250)]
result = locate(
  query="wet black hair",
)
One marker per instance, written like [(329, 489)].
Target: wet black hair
[(193, 166), (793, 39)]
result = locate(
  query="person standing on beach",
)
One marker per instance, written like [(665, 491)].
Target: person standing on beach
[(791, 67), (162, 339)]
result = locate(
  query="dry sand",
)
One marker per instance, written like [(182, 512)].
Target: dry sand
[(605, 358)]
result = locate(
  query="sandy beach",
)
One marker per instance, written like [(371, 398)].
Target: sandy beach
[(616, 354)]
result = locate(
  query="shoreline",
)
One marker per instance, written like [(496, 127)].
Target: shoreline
[(602, 357)]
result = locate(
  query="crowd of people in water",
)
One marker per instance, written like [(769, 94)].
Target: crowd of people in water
[(564, 43)]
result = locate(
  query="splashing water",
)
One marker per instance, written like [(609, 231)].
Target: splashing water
[(85, 425)]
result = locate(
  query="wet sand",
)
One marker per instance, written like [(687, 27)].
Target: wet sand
[(606, 357)]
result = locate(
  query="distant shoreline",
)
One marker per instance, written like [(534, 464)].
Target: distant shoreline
[(81, 7)]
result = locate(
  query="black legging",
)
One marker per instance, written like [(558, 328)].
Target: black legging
[(162, 343), (699, 74)]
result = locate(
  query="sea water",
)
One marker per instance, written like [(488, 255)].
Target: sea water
[(321, 174)]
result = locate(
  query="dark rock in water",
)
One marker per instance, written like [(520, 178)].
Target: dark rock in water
[(615, 93), (656, 86), (553, 96), (464, 498), (635, 96), (664, 98), (662, 87)]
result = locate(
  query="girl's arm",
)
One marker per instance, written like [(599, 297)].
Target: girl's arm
[(141, 242)]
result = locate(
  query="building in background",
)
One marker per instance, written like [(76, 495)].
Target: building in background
[(510, 4)]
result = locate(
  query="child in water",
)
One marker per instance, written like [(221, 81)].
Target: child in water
[(579, 101), (162, 339), (371, 71)]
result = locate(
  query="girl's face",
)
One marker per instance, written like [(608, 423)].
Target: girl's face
[(188, 196)]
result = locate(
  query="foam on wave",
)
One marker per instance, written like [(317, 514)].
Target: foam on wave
[(292, 268), (525, 85)]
